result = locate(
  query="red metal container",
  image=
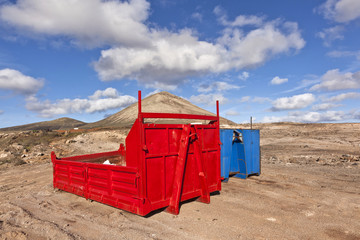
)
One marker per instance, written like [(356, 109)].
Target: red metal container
[(165, 165)]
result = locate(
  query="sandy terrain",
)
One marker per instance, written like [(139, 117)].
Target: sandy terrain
[(308, 189)]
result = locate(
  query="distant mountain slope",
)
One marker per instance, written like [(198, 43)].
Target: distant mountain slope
[(162, 102), (57, 124)]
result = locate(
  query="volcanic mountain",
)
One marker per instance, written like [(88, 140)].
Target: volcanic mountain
[(162, 102), (57, 124)]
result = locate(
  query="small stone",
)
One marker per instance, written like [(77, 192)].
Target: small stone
[(271, 219)]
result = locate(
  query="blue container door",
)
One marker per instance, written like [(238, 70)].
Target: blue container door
[(239, 159), (255, 152), (249, 154), (226, 148), (240, 154)]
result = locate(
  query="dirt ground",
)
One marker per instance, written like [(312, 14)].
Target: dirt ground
[(308, 189)]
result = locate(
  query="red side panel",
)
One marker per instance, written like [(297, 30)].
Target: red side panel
[(113, 185)]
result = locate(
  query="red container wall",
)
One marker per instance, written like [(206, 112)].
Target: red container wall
[(113, 185), (163, 143), (165, 164)]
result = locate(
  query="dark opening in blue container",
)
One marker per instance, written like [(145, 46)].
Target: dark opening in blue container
[(240, 153)]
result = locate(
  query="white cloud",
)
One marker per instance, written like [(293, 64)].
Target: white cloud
[(240, 21), (243, 20), (338, 54), (109, 93), (95, 103), (294, 102), (19, 83), (324, 106), (90, 23), (260, 44), (305, 83), (208, 99), (1, 112), (245, 99), (334, 80), (244, 75), (232, 113), (217, 86), (328, 116), (261, 100), (197, 16), (341, 11), (153, 92), (277, 80), (146, 54), (161, 85), (343, 96), (174, 57), (356, 115), (328, 35)]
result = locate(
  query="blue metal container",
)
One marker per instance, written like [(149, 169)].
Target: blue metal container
[(240, 153)]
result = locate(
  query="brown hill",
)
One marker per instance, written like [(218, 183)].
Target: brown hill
[(162, 102), (57, 124)]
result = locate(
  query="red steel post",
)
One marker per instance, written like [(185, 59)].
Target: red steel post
[(139, 106), (174, 203)]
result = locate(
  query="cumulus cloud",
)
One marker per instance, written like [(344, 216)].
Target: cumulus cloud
[(232, 113), (324, 106), (338, 54), (260, 100), (217, 86), (245, 99), (153, 56), (341, 11), (343, 96), (310, 117), (98, 102), (107, 93), (244, 75), (239, 21), (208, 99), (277, 80), (174, 57), (333, 80), (294, 102), (255, 47), (90, 23), (153, 92), (356, 115), (198, 16), (328, 35), (19, 83)]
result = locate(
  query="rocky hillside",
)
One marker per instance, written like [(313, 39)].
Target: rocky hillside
[(57, 124), (162, 102)]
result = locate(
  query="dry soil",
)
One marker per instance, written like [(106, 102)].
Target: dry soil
[(308, 189)]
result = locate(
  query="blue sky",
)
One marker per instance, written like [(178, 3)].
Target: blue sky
[(274, 60)]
